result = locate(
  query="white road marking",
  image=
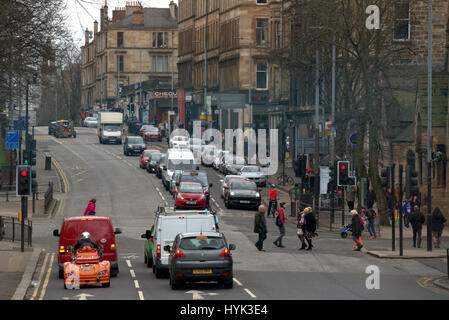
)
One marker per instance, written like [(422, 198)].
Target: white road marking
[(136, 283), (141, 295), (128, 262), (250, 293), (133, 274), (238, 282)]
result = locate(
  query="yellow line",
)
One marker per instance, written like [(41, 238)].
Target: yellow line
[(40, 277), (44, 287), (61, 208), (65, 181)]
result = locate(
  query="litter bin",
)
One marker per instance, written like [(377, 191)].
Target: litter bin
[(47, 163)]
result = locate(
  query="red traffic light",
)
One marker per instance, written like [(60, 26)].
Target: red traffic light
[(24, 173), (342, 167)]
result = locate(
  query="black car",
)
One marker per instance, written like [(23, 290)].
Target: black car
[(133, 145), (134, 126), (200, 177), (153, 161), (52, 128), (200, 256), (234, 165), (160, 165), (242, 194)]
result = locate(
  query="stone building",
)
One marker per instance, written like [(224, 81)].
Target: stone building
[(137, 45)]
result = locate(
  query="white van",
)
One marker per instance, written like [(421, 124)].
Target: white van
[(177, 160), (168, 224)]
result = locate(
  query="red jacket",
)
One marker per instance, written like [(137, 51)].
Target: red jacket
[(273, 193), (90, 209), (281, 215)]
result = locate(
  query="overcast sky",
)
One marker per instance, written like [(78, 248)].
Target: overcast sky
[(83, 13)]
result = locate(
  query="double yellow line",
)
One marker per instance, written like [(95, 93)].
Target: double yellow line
[(65, 181), (47, 277)]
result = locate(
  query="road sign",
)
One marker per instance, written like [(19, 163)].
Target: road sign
[(12, 139)]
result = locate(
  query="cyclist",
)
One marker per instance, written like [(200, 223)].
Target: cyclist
[(273, 203)]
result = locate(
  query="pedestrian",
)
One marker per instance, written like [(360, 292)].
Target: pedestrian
[(350, 197), (438, 221), (280, 222), (90, 209), (260, 227), (272, 199), (417, 219), (370, 216), (301, 227), (415, 202), (357, 229), (310, 227), (370, 197), (406, 211)]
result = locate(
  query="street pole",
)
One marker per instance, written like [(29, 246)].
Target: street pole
[(316, 157), (205, 65), (333, 103), (429, 128), (140, 84), (400, 211), (172, 69), (250, 83), (393, 222)]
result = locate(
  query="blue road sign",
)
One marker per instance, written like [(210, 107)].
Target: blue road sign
[(12, 139)]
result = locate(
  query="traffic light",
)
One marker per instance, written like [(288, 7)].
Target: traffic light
[(131, 108), (332, 185), (23, 180), (343, 173), (385, 177), (34, 183), (30, 153), (411, 182), (300, 165)]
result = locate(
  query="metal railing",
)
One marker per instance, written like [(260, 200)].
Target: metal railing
[(10, 229)]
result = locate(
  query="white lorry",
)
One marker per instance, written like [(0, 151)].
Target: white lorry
[(110, 125)]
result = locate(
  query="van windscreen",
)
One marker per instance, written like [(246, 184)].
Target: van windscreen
[(98, 229)]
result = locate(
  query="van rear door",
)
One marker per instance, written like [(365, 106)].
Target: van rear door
[(198, 223), (71, 231), (170, 228), (102, 233)]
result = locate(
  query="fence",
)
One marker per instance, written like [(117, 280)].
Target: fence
[(10, 229), (48, 196)]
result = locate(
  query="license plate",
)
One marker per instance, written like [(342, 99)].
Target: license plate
[(202, 271), (191, 202), (244, 201)]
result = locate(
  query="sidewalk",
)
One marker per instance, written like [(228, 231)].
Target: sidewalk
[(16, 267)]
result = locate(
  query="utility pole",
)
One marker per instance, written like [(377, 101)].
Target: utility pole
[(429, 128), (140, 86), (205, 64), (172, 69), (316, 181), (400, 212)]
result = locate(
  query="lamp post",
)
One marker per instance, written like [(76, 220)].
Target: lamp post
[(429, 127)]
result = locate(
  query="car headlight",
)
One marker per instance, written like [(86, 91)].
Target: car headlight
[(180, 196), (232, 193), (257, 195), (203, 197)]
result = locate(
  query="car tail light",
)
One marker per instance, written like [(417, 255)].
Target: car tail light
[(113, 246), (158, 251), (179, 274), (225, 253), (226, 273), (61, 249), (178, 254)]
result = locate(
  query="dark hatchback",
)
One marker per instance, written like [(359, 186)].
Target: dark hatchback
[(200, 256), (52, 128), (234, 165), (133, 145), (242, 194), (153, 161)]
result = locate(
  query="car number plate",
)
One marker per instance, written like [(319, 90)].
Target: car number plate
[(202, 271), (191, 202), (244, 201)]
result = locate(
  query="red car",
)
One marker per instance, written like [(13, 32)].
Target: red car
[(190, 195), (144, 129), (144, 157), (152, 134)]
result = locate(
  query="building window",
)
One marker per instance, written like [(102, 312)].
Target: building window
[(277, 34), (160, 64), (121, 63), (261, 32), (401, 30), (119, 39), (160, 39), (261, 75)]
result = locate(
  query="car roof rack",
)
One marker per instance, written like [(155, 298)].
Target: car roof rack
[(173, 211)]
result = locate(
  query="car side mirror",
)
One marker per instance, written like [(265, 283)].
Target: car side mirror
[(211, 185), (56, 233), (232, 247), (167, 248), (118, 231)]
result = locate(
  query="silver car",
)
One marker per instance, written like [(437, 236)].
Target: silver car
[(90, 122), (254, 173)]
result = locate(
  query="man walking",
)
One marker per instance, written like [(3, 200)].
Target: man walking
[(357, 229), (260, 227), (417, 219), (280, 222), (370, 197), (350, 197)]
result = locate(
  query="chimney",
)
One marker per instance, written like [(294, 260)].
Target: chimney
[(86, 36), (118, 14), (95, 28), (172, 7), (132, 6), (138, 18), (104, 15)]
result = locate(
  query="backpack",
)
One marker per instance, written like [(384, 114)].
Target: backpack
[(278, 221)]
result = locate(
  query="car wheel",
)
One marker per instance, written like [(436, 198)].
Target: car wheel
[(61, 273), (228, 284), (158, 272), (149, 262), (174, 285), (106, 285), (227, 204), (114, 272)]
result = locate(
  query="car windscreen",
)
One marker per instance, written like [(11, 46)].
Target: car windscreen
[(91, 119), (147, 154), (195, 178), (135, 140), (190, 188), (180, 138), (202, 243), (183, 165), (250, 169), (243, 185), (152, 129), (112, 127)]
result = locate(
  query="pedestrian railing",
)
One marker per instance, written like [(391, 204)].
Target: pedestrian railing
[(48, 196), (10, 229)]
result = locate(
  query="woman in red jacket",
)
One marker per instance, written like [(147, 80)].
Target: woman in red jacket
[(90, 209), (280, 222)]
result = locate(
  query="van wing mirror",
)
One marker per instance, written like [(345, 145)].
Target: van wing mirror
[(56, 233), (118, 231)]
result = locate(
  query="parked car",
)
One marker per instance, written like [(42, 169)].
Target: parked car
[(200, 256), (64, 129), (152, 134), (225, 183), (254, 173), (242, 194), (170, 222), (144, 129), (190, 195), (90, 122), (52, 127), (133, 145), (153, 160), (174, 181), (208, 155), (179, 142), (160, 165), (101, 232), (219, 158), (144, 156), (234, 165)]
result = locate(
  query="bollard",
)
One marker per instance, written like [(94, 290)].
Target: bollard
[(447, 262), (47, 163)]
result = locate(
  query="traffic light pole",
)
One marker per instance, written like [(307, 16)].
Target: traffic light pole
[(24, 209), (393, 221), (400, 211)]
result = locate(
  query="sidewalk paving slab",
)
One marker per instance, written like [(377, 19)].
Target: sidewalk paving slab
[(408, 254)]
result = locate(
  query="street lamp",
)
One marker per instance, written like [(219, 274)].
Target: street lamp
[(429, 127)]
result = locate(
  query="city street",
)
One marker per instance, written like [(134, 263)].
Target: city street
[(130, 197)]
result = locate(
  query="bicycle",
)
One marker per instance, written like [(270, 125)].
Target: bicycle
[(272, 208), (285, 179)]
